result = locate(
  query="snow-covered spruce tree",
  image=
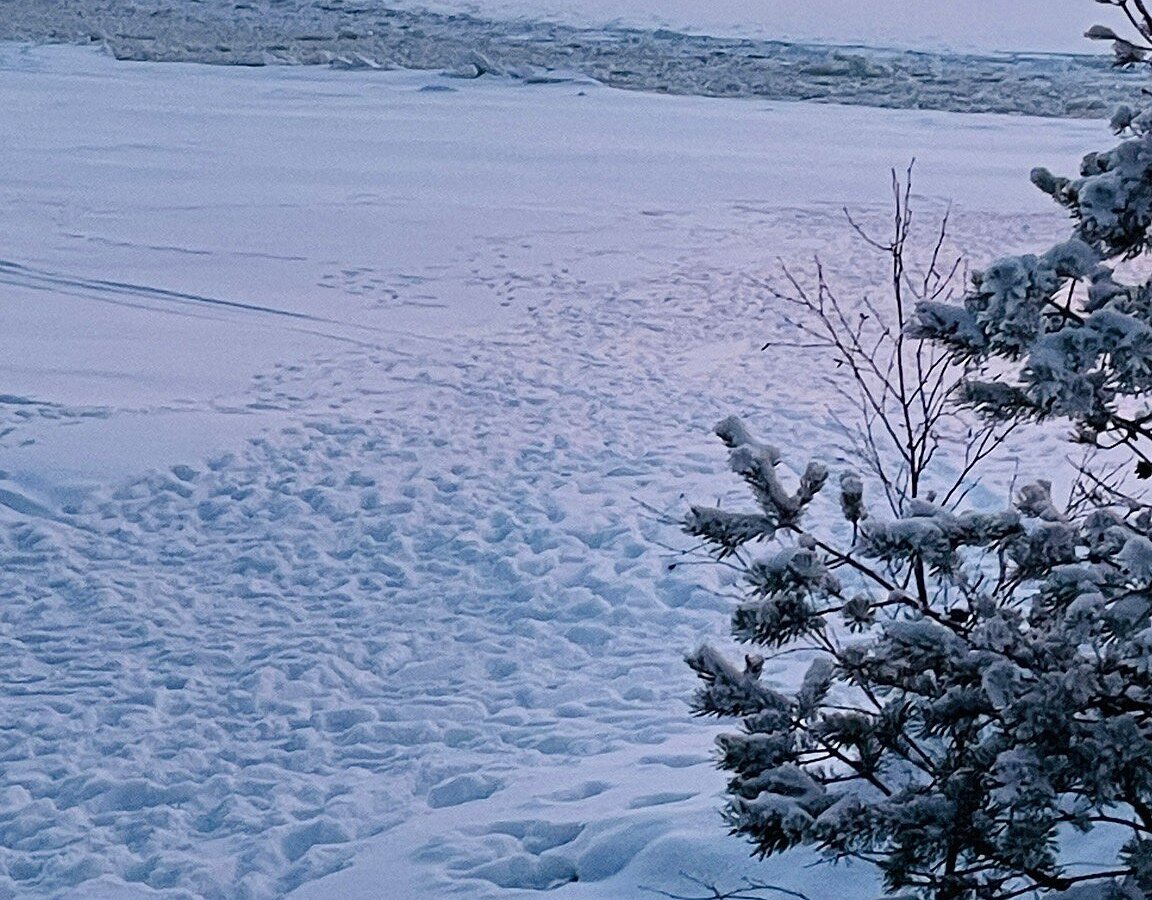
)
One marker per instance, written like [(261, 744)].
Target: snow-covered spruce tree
[(981, 682), (1060, 333)]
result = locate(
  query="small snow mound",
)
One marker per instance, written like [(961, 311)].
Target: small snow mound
[(322, 831), (614, 849), (580, 792), (676, 761), (539, 836), (658, 800), (462, 789), (534, 873), (138, 794)]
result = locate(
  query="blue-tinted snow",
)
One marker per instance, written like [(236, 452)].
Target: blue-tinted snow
[(329, 409)]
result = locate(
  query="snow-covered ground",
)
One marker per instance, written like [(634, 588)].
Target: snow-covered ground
[(332, 407)]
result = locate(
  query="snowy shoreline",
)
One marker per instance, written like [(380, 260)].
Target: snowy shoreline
[(356, 35)]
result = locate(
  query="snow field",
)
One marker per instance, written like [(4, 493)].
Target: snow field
[(382, 588)]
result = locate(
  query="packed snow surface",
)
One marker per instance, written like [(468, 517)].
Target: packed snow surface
[(333, 409)]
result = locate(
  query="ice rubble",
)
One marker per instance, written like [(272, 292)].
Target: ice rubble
[(359, 35)]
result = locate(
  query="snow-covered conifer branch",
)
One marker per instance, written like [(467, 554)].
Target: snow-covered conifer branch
[(981, 680)]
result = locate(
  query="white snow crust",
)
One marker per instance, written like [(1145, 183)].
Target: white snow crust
[(329, 402)]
